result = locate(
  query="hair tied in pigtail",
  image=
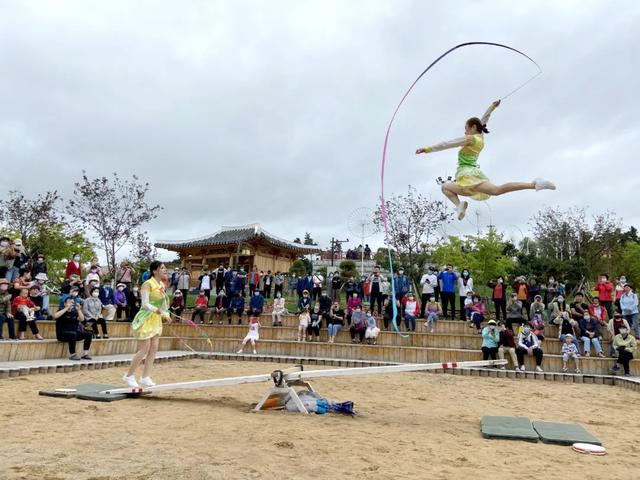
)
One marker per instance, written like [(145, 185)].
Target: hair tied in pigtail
[(484, 128)]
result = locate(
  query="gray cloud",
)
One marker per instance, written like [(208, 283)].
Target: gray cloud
[(240, 112)]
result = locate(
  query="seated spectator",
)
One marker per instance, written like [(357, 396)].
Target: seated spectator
[(354, 302), (325, 303), (358, 325), (537, 325), (68, 284), (304, 301), (387, 317), (200, 307), (598, 312), (590, 334), (314, 324), (278, 309), (74, 293), (507, 343), (256, 304), (411, 312), (578, 308), (24, 311), (253, 334), (70, 327), (528, 345), (92, 313), (626, 346), (467, 305), (120, 301), (106, 298), (371, 334), (36, 298), (478, 311), (537, 308), (556, 307), (304, 320), (220, 306), (335, 321), (236, 305), (568, 326), (514, 312), (44, 291), (23, 281), (614, 326), (434, 310), (490, 340), (569, 350), (6, 316), (177, 305)]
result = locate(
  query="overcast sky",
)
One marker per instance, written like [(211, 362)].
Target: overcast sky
[(274, 112)]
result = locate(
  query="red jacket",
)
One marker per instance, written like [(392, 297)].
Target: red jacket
[(19, 301), (202, 301), (404, 305), (605, 291), (603, 313), (73, 270), (516, 289)]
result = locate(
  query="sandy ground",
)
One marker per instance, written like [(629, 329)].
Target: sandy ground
[(411, 425)]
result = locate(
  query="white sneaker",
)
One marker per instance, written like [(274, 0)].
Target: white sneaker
[(239, 351), (541, 184), (147, 382), (255, 353), (462, 209), (130, 381), (539, 369), (523, 368)]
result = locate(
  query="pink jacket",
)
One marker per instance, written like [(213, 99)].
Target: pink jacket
[(352, 303)]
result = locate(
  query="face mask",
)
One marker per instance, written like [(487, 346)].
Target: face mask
[(40, 260), (278, 295), (120, 289), (316, 309), (465, 273), (95, 294), (499, 280), (526, 330), (492, 327), (4, 244), (624, 332), (74, 294), (77, 259), (3, 288), (135, 290), (257, 294)]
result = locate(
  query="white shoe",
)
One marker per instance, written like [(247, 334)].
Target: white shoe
[(523, 368), (239, 351), (255, 353), (462, 209), (541, 184), (147, 382), (539, 369), (130, 381)]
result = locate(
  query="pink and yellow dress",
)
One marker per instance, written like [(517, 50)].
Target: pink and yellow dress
[(147, 322), (468, 174)]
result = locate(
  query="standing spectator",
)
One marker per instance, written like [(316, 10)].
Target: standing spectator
[(184, 282), (614, 326), (336, 286), (229, 281), (428, 283), (335, 321), (21, 260), (401, 284), (106, 298), (205, 283), (354, 302), (220, 307), (590, 334), (260, 286), (278, 282), (173, 281), (135, 301), (411, 312), (305, 283), (73, 267), (40, 266), (358, 325), (599, 312), (200, 307), (177, 305), (367, 252), (626, 346), (219, 274), (23, 310), (372, 331), (385, 289), (236, 306), (292, 283), (278, 310), (605, 293), (499, 297), (375, 293), (448, 291), (268, 282), (478, 312), (350, 288), (125, 275), (507, 344), (465, 286), (534, 290), (92, 312), (490, 341), (522, 293), (433, 311), (317, 280), (241, 279), (622, 281), (120, 301), (569, 350), (70, 328), (254, 281), (629, 307), (6, 316), (528, 345), (6, 257), (256, 304), (550, 291)]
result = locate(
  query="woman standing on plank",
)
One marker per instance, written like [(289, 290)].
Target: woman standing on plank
[(147, 324), (470, 181)]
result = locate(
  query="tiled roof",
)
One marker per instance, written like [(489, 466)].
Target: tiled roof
[(234, 235)]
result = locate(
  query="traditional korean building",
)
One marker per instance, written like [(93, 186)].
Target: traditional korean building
[(246, 245)]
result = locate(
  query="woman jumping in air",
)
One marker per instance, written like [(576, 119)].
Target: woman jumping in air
[(470, 181)]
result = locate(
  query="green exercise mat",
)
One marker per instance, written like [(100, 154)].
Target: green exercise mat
[(564, 433), (510, 428), (85, 391)]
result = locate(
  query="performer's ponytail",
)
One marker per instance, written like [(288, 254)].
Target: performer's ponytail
[(480, 127)]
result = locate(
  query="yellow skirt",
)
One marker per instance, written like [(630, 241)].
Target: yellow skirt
[(469, 177), (151, 327)]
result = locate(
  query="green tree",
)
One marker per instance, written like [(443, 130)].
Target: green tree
[(348, 269), (298, 267), (308, 240)]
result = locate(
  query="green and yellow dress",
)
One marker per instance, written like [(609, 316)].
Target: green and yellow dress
[(468, 174), (147, 323)]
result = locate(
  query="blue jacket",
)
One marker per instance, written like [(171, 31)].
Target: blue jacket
[(237, 303), (256, 302), (593, 326), (448, 281), (304, 302), (490, 339), (106, 295), (305, 283), (402, 285)]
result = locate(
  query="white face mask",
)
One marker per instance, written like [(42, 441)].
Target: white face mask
[(74, 294), (4, 244), (77, 259), (95, 294)]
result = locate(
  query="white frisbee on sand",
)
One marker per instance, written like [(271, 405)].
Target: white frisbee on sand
[(589, 449)]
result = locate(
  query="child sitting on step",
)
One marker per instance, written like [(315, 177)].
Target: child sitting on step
[(371, 334), (569, 350), (303, 324), (252, 336), (432, 310)]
